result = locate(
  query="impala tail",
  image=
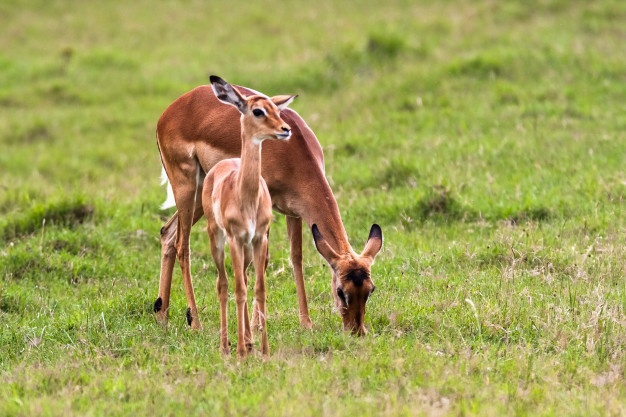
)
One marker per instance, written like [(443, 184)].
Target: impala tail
[(169, 201)]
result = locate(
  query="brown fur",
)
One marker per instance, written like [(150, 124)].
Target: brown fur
[(238, 208), (194, 133)]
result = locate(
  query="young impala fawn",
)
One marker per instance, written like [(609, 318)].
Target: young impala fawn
[(238, 209)]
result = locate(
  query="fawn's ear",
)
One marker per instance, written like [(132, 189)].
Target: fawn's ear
[(282, 101), (374, 243), (324, 248), (227, 94)]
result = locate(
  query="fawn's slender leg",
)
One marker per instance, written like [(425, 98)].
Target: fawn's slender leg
[(217, 250), (249, 336), (255, 310), (241, 292), (260, 254)]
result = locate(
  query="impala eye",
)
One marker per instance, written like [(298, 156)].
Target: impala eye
[(258, 112)]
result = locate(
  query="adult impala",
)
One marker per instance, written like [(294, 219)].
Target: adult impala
[(194, 133)]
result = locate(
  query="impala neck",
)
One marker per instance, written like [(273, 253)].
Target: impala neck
[(319, 207), (250, 171)]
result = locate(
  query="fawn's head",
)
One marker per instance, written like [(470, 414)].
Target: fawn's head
[(260, 115), (351, 283)]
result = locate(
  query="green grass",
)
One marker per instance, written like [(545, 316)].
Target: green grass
[(486, 138)]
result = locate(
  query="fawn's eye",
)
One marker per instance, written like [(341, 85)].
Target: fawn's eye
[(258, 112)]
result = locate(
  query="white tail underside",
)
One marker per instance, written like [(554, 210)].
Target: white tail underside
[(169, 201)]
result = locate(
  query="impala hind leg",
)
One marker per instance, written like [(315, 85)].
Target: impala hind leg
[(188, 198), (294, 230), (168, 259), (255, 311), (218, 238), (249, 336)]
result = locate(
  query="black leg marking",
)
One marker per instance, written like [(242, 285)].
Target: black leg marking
[(158, 304), (189, 318)]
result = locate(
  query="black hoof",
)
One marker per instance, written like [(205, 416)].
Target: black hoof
[(158, 304), (189, 318)]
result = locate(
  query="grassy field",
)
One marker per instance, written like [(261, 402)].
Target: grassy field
[(486, 138)]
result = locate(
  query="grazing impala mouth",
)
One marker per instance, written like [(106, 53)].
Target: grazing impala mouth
[(283, 136)]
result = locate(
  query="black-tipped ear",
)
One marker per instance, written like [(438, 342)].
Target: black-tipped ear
[(316, 233), (216, 79), (374, 243), (227, 94), (323, 247), (376, 232)]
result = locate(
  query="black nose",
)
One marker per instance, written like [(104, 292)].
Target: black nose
[(286, 129)]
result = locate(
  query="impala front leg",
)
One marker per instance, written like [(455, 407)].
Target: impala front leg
[(260, 256), (241, 294), (294, 230)]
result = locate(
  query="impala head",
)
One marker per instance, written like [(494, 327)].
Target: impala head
[(260, 115), (351, 283)]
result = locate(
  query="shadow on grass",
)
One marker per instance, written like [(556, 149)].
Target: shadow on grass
[(65, 213)]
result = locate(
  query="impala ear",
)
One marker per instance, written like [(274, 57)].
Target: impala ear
[(283, 101), (323, 247), (374, 243), (227, 94)]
